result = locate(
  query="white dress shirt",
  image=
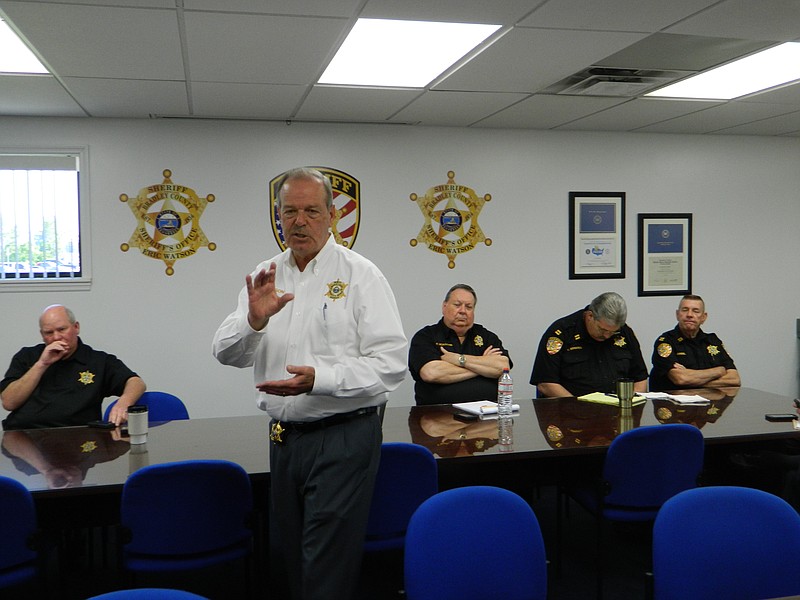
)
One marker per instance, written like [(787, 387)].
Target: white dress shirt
[(343, 321)]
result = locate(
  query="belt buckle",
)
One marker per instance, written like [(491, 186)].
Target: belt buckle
[(275, 433)]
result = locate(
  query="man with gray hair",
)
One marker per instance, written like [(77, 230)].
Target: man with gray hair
[(320, 327), (63, 382), (588, 351)]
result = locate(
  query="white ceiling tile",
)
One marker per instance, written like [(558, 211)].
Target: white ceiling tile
[(246, 100), (39, 95), (539, 57), (777, 20), (613, 15), (636, 113), (102, 41), (546, 112), (351, 104), (720, 117), (259, 49), (455, 108), (128, 97)]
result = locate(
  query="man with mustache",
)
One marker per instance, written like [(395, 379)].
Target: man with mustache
[(688, 357), (320, 326)]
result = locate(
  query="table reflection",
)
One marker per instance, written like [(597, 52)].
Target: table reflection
[(448, 434), (65, 458), (669, 412), (573, 423)]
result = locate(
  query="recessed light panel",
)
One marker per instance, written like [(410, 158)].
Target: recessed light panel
[(389, 53), (760, 71), (15, 57)]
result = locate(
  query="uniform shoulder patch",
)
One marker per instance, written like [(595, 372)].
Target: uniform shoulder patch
[(554, 344), (664, 350)]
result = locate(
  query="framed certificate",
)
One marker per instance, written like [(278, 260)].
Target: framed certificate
[(596, 235), (665, 254)]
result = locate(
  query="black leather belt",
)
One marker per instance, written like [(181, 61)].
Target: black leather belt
[(279, 427)]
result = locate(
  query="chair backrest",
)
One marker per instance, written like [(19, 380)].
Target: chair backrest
[(726, 542), (17, 528), (148, 594), (161, 406), (186, 507), (646, 466), (475, 542), (407, 476)]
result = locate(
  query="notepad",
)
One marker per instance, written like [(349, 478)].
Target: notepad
[(482, 407), (601, 398)]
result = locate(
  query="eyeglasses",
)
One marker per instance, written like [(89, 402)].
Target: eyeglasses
[(603, 330)]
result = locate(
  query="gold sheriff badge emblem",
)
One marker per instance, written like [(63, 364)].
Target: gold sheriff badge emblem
[(451, 219), (167, 222)]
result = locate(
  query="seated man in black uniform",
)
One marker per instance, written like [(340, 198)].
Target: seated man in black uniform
[(456, 360), (63, 382), (688, 357), (588, 351)]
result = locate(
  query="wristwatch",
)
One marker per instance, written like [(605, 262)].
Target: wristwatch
[(462, 360)]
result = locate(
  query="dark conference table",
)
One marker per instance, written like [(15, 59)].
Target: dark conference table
[(95, 463)]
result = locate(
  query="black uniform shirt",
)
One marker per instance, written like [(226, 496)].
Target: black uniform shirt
[(424, 348), (704, 351), (569, 356), (71, 391)]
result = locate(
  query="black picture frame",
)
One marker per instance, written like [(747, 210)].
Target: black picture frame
[(665, 254), (597, 235)]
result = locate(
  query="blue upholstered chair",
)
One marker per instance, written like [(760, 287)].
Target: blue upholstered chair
[(18, 532), (161, 406), (148, 594), (407, 476), (475, 542), (726, 542), (644, 467), (186, 515)]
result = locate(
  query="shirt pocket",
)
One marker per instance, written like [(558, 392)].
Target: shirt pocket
[(337, 328), (575, 365)]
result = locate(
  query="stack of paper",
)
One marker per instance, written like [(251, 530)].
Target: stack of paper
[(677, 398), (482, 407), (601, 398)]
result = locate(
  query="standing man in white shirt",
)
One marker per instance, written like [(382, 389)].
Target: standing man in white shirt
[(320, 326)]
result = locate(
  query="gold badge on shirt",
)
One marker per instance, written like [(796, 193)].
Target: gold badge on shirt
[(713, 350), (664, 350), (86, 377), (478, 341), (336, 290), (554, 344), (89, 446), (620, 341)]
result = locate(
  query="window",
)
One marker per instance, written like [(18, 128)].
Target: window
[(42, 241)]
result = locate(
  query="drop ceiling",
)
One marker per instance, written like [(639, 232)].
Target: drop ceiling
[(260, 60)]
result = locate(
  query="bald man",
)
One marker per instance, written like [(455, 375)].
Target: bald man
[(63, 382)]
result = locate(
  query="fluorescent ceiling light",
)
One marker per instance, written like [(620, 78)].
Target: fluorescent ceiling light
[(15, 57), (760, 71), (387, 53)]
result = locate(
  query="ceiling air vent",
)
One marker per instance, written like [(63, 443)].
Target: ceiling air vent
[(607, 81)]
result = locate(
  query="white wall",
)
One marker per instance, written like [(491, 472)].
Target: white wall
[(742, 191)]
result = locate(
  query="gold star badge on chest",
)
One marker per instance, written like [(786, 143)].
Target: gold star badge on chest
[(336, 289), (478, 341), (620, 341), (713, 350), (89, 446), (86, 377)]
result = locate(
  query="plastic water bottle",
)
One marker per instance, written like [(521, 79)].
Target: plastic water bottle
[(505, 394)]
